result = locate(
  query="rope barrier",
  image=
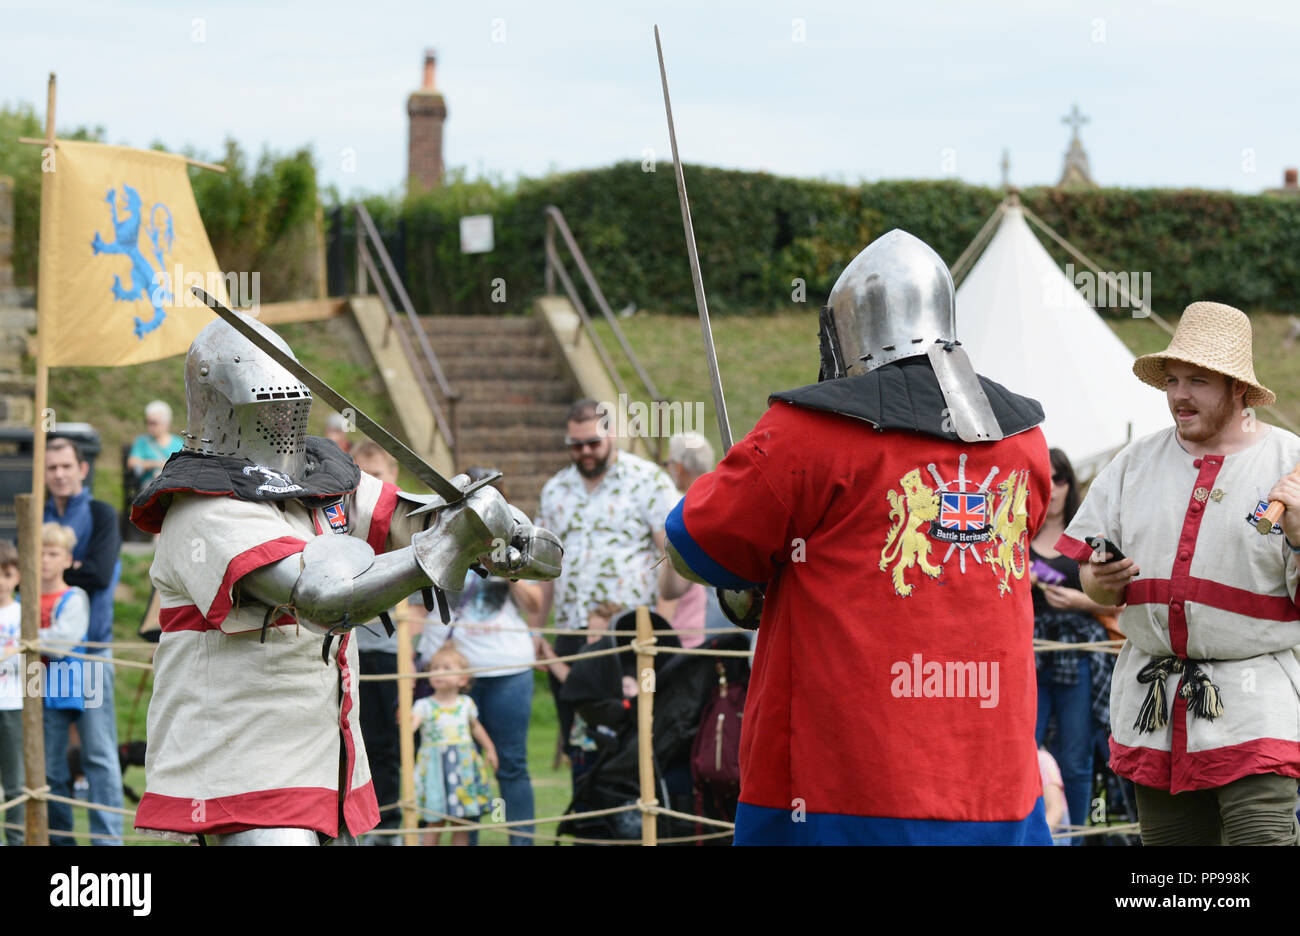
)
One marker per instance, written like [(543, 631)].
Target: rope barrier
[(125, 836), (590, 814), (1098, 646), (387, 677), (39, 648), (460, 823), (20, 799), (1080, 831), (696, 651), (55, 798), (1040, 646), (104, 644), (656, 810)]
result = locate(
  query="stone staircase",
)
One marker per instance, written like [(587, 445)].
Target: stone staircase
[(514, 392), (17, 323)]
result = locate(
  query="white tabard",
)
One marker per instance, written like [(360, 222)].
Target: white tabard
[(1211, 590), (245, 734)]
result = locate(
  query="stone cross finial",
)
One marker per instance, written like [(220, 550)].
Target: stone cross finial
[(1074, 119)]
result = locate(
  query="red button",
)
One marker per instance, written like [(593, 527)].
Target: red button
[(1184, 555), (1197, 463), (1176, 606), (1196, 508)]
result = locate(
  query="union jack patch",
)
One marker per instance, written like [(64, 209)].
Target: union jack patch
[(337, 518), (1260, 508)]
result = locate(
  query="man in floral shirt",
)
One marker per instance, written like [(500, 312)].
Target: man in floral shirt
[(608, 509)]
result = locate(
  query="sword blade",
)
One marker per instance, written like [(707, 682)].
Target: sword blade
[(719, 404), (323, 391)]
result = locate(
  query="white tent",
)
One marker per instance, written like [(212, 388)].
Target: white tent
[(1026, 326)]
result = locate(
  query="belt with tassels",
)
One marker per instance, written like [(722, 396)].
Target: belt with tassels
[(1202, 695)]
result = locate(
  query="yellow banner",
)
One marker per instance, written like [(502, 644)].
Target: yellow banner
[(125, 244)]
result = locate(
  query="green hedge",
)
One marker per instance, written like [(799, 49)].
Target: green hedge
[(757, 233)]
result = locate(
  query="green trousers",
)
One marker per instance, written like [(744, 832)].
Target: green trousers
[(1255, 810)]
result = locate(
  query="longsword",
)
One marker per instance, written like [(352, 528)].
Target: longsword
[(719, 404)]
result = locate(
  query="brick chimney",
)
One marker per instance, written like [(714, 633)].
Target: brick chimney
[(1289, 179), (427, 111)]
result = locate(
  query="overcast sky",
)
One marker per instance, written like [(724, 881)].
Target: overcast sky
[(1197, 94)]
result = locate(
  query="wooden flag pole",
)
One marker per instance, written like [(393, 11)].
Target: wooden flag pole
[(37, 831), (29, 559), (645, 711)]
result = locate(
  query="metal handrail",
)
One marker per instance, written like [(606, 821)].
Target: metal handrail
[(555, 267), (365, 262)]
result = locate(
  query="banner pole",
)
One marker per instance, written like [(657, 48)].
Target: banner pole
[(37, 821), (31, 510)]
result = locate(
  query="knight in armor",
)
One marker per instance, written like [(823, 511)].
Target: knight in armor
[(273, 546), (876, 523)]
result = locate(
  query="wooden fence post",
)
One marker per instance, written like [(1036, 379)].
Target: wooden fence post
[(405, 692), (645, 710)]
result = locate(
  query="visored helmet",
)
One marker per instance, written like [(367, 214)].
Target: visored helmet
[(241, 403)]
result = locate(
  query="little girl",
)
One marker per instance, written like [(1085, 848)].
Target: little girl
[(449, 773)]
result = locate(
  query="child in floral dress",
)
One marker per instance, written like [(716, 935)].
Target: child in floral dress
[(449, 773)]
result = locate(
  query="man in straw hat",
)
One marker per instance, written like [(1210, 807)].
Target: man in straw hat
[(1205, 717)]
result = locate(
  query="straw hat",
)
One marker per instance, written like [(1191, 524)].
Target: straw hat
[(1214, 336)]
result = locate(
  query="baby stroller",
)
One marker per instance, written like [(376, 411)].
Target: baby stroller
[(595, 687)]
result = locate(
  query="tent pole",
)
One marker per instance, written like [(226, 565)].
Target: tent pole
[(1109, 277), (976, 246)]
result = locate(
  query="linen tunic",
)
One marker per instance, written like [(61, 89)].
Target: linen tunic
[(245, 734), (1211, 589)]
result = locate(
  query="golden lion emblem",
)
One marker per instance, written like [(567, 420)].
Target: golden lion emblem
[(909, 514), (1010, 524)]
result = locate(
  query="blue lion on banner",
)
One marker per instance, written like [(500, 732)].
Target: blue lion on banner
[(152, 286)]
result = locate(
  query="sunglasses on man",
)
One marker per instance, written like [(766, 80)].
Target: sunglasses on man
[(577, 445)]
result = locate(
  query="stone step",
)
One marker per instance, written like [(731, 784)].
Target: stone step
[(512, 439), (515, 463), (461, 367), (515, 391), (15, 384), (17, 297), (451, 347), (15, 317), (494, 414), (484, 325), (15, 410)]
